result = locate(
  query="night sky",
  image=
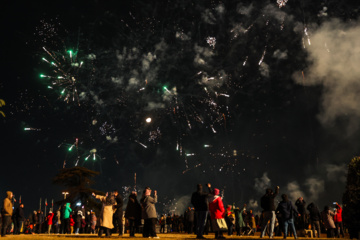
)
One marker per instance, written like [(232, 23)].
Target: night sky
[(243, 94)]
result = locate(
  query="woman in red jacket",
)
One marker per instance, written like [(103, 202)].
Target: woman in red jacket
[(49, 220), (338, 221), (217, 213)]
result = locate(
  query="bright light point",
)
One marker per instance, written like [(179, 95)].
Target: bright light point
[(63, 91), (27, 129), (148, 120), (42, 75), (165, 88), (50, 87)]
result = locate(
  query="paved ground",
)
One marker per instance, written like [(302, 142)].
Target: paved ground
[(168, 236)]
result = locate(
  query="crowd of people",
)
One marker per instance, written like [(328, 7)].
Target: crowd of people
[(274, 220), (207, 214)]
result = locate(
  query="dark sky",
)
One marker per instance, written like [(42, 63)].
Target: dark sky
[(263, 98)]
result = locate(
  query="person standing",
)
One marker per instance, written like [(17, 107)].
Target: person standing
[(252, 223), (40, 216), (57, 223), (65, 221), (106, 214), (199, 200), (338, 221), (239, 220), (118, 215), (327, 217), (34, 220), (93, 222), (217, 212), (169, 223), (162, 223), (6, 213), (189, 220), (20, 218), (300, 204), (133, 213), (315, 218), (230, 219), (286, 210), (49, 220), (149, 212), (268, 206), (78, 220)]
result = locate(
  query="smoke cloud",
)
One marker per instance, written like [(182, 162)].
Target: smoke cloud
[(294, 192), (336, 173), (262, 183), (315, 186), (334, 56)]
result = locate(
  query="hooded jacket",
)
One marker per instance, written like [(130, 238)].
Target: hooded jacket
[(314, 212), (49, 218), (338, 214), (216, 206), (7, 205), (67, 211)]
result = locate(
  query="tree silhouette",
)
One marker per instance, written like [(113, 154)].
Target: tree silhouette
[(351, 198), (77, 182)]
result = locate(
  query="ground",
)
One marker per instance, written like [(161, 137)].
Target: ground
[(126, 236)]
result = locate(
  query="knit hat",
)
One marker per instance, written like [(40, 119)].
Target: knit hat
[(216, 191)]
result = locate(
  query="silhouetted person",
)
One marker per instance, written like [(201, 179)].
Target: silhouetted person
[(118, 214), (6, 213), (20, 219), (286, 210), (300, 204), (149, 213), (133, 213), (315, 218), (327, 217), (268, 206), (199, 200)]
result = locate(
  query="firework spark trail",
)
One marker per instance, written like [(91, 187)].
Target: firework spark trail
[(68, 70), (307, 35), (263, 55), (245, 60), (141, 144)]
